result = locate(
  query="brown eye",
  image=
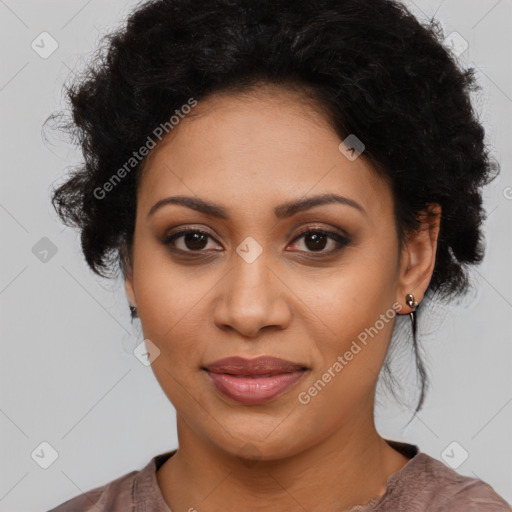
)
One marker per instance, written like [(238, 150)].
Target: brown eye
[(193, 240), (316, 240)]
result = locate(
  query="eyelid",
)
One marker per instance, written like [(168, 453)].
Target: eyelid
[(177, 232), (328, 230)]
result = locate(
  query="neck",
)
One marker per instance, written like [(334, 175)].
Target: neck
[(344, 469)]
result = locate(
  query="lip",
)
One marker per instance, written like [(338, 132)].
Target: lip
[(254, 381)]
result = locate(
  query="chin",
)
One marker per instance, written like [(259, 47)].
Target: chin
[(251, 446)]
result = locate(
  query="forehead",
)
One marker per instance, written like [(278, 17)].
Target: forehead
[(257, 149)]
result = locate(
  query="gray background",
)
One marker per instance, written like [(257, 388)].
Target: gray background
[(68, 376)]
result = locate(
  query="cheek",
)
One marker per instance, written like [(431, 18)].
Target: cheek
[(169, 301), (351, 355), (162, 288), (354, 296), (171, 314), (349, 362), (356, 304)]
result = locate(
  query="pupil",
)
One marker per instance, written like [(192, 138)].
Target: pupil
[(195, 240), (318, 240)]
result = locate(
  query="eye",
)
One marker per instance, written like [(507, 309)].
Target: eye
[(315, 241), (194, 240)]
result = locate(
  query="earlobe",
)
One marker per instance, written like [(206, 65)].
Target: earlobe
[(419, 255)]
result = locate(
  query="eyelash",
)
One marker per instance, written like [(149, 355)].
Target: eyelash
[(340, 239)]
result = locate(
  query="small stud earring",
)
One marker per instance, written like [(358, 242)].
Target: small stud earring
[(409, 299)]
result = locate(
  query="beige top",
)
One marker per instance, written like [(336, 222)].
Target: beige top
[(424, 484)]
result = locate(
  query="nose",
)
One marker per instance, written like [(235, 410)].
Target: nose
[(252, 297)]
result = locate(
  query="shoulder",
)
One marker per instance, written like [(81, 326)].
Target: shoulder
[(117, 493), (120, 495), (441, 489), (126, 493), (113, 496)]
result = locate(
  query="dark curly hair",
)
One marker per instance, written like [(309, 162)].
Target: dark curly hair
[(369, 65)]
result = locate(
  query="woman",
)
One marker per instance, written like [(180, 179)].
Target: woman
[(276, 181)]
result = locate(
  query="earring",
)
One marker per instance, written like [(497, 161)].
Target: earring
[(133, 312), (409, 299)]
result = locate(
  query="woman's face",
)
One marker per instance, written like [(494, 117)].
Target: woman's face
[(255, 285)]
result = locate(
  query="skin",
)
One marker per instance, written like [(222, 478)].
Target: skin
[(250, 153)]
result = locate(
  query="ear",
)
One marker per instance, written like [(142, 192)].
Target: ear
[(128, 286), (126, 257), (418, 255)]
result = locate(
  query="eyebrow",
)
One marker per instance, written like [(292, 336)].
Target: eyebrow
[(282, 211)]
